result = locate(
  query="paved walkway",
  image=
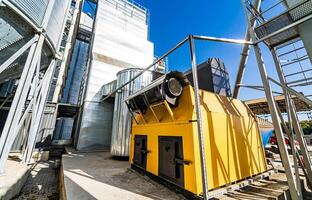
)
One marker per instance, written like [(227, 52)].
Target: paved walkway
[(97, 176)]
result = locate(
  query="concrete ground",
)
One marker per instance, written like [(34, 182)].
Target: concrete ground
[(42, 184), (97, 176), (13, 179)]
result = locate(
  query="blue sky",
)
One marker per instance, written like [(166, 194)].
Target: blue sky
[(171, 21)]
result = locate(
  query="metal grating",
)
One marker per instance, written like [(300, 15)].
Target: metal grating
[(281, 21)]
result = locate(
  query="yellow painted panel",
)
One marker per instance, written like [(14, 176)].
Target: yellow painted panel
[(179, 129), (232, 139)]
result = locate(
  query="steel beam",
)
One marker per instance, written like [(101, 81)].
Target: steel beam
[(244, 57), (292, 91), (277, 126), (9, 131), (289, 130), (199, 120), (18, 53), (42, 99), (274, 113), (223, 40)]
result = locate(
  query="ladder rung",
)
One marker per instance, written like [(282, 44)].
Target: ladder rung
[(301, 80), (302, 84), (298, 72), (286, 53), (296, 60), (291, 42)]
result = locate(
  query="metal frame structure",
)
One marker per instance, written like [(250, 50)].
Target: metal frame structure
[(32, 91), (278, 121), (29, 102), (191, 40), (293, 129)]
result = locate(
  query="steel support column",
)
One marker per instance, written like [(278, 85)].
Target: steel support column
[(289, 131), (41, 103), (244, 56), (18, 53), (199, 120), (293, 120), (277, 126)]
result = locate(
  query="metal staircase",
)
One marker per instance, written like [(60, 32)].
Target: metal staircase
[(296, 66), (282, 36)]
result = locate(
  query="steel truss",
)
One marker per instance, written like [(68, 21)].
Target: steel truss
[(29, 103), (273, 40), (31, 94)]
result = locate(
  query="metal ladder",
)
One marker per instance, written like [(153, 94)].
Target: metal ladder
[(296, 66), (280, 34)]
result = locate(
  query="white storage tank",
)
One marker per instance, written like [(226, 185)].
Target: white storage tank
[(122, 118)]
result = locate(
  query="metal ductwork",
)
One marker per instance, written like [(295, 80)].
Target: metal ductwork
[(166, 88)]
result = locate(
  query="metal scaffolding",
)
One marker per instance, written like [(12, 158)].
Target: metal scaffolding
[(280, 32), (29, 103)]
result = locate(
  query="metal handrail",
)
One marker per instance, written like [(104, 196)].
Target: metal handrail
[(265, 11), (196, 37), (285, 12)]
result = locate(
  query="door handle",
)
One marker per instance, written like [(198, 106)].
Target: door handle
[(145, 151), (182, 162)]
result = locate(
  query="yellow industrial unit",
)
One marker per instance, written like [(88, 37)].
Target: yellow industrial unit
[(164, 137)]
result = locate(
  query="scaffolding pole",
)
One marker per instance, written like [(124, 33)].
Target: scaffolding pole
[(244, 56), (295, 195), (199, 120)]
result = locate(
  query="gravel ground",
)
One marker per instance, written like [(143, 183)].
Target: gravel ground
[(42, 184)]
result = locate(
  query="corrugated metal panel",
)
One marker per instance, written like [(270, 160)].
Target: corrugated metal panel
[(12, 29), (34, 9), (44, 137), (109, 88), (122, 118), (45, 133), (96, 126), (121, 37), (75, 73), (57, 20)]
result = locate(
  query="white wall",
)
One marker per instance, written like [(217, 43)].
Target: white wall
[(121, 41)]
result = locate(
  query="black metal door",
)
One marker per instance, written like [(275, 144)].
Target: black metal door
[(140, 151), (171, 163)]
